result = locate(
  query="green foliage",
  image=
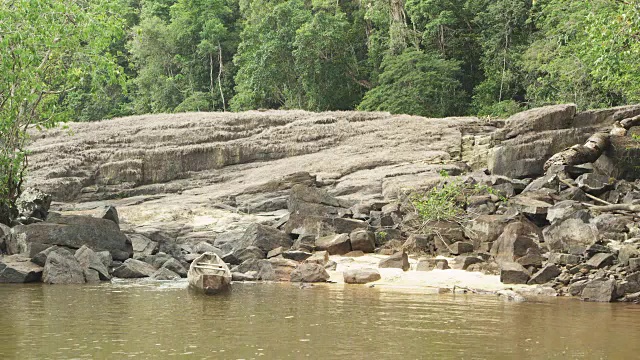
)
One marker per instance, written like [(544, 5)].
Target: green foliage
[(48, 49), (448, 201), (635, 137), (417, 83)]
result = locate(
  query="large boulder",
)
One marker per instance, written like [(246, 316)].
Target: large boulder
[(109, 213), (88, 259), (513, 273), (133, 268), (516, 239), (545, 274), (175, 266), (334, 244), (309, 272), (62, 268), (18, 269), (361, 276), (363, 240), (314, 211), (599, 290), (486, 228), (263, 237), (399, 260), (33, 203), (572, 236), (143, 245), (71, 231)]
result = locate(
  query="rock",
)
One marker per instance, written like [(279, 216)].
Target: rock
[(599, 290), (309, 272), (72, 231), (361, 276), (33, 203), (296, 255), (430, 264), (545, 275), (571, 235), (486, 228), (399, 260), (516, 239), (531, 258), (363, 240), (263, 237), (164, 274), (4, 233), (634, 264), (91, 276), (419, 244), (461, 247), (132, 268), (334, 244), (574, 194), (319, 257), (563, 259), (600, 260), (62, 267), (442, 265), (463, 262), (563, 210), (575, 289), (157, 260), (203, 247), (594, 184), (331, 265), (237, 276), (109, 213), (304, 243), (250, 252), (143, 245), (275, 252), (282, 268), (88, 259), (41, 258), (513, 273), (352, 254), (105, 258), (18, 269), (175, 266), (529, 206), (518, 158)]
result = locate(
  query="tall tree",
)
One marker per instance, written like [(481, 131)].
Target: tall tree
[(47, 49)]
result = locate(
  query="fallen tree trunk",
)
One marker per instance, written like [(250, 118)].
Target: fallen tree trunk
[(580, 154), (630, 122), (616, 207)]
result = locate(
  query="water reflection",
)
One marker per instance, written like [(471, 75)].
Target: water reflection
[(151, 320)]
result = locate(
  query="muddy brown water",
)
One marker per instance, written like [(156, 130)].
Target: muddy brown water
[(144, 320)]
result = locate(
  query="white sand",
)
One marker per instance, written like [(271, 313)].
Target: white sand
[(432, 281)]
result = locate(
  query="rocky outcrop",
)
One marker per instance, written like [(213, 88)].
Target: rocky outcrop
[(281, 185), (70, 231), (309, 272)]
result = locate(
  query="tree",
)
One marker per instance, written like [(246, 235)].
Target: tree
[(265, 57), (505, 34), (418, 83), (326, 61), (47, 49)]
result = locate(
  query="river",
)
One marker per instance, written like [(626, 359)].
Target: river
[(143, 320)]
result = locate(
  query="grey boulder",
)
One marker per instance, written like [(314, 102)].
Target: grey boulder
[(132, 269), (361, 276), (309, 272), (62, 267)]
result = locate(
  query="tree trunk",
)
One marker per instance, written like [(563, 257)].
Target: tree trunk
[(580, 154)]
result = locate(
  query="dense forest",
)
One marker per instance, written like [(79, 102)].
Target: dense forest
[(425, 57)]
